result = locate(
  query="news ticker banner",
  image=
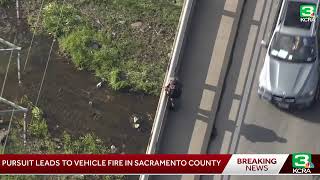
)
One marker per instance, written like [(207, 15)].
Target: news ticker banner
[(224, 164)]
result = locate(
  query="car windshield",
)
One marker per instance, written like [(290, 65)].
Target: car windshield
[(293, 48)]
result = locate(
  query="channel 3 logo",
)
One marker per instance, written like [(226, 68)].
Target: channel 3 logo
[(308, 13), (302, 160), (307, 10)]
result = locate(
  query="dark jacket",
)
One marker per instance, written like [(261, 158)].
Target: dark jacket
[(174, 89)]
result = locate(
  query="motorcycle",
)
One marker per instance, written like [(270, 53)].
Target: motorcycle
[(172, 103)]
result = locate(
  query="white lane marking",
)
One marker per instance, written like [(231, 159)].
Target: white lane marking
[(246, 60), (213, 75), (201, 126), (250, 80), (198, 133), (207, 100), (219, 50), (234, 110), (258, 10), (231, 5), (226, 142), (217, 177)]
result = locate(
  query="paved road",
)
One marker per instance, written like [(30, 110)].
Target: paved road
[(246, 124), (204, 63)]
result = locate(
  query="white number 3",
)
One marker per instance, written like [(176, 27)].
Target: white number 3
[(302, 159)]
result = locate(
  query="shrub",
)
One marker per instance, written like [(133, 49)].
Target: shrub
[(91, 144), (104, 60), (60, 20), (5, 2), (37, 113), (67, 143), (117, 80), (38, 127), (145, 77), (77, 44), (129, 58)]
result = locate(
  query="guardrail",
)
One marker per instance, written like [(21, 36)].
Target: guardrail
[(173, 68)]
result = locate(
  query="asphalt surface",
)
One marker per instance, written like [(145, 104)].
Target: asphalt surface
[(247, 124), (243, 122), (205, 59), (200, 76)]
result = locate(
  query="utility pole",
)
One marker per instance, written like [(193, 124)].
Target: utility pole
[(18, 9), (8, 46), (13, 47), (16, 108)]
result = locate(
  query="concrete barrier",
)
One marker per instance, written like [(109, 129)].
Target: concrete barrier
[(176, 55)]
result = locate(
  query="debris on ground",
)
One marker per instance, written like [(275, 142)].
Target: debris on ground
[(99, 85), (113, 149), (136, 126), (56, 140), (136, 121), (136, 24), (3, 134)]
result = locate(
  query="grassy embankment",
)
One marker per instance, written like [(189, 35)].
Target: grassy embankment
[(125, 42), (5, 2)]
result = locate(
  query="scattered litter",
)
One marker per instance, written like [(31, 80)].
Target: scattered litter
[(136, 126), (136, 24), (56, 139), (3, 134), (99, 85), (113, 149), (135, 119)]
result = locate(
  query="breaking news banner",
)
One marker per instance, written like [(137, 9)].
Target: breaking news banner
[(223, 164)]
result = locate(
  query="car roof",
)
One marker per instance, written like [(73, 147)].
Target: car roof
[(292, 24)]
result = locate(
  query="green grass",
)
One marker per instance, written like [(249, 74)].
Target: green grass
[(59, 20), (40, 141), (5, 2), (130, 58)]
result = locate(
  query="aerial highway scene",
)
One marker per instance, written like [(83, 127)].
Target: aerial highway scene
[(160, 77), (228, 46)]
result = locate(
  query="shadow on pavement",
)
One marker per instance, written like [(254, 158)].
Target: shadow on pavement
[(311, 114), (251, 132), (256, 133)]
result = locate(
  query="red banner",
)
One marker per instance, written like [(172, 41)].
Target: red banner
[(112, 164)]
